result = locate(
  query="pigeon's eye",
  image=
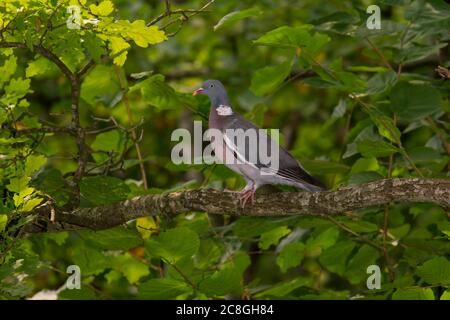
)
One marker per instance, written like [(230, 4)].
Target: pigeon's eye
[(211, 86)]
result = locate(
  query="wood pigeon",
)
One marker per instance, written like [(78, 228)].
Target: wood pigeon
[(224, 118)]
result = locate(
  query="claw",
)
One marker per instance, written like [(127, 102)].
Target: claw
[(246, 195)]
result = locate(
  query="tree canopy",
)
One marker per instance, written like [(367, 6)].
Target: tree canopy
[(91, 91)]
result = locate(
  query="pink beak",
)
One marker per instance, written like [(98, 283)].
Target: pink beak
[(198, 91)]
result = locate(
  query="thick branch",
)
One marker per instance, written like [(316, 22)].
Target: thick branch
[(408, 190), (43, 51)]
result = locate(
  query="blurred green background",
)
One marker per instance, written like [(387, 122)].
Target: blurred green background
[(353, 105)]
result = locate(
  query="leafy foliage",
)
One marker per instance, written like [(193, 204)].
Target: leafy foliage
[(355, 105)]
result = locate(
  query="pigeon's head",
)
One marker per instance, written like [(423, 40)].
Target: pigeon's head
[(214, 89)]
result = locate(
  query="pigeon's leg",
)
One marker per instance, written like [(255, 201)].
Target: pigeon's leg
[(247, 193)]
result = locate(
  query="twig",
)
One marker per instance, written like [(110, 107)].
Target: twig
[(126, 102), (45, 130), (183, 12), (74, 81), (386, 220), (356, 234), (380, 54), (439, 134), (181, 273)]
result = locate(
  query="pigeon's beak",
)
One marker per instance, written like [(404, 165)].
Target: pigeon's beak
[(198, 91)]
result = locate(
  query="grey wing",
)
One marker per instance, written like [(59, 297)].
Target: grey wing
[(243, 139), (246, 146)]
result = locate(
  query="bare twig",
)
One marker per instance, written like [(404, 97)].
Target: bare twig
[(124, 88), (380, 54), (45, 130), (184, 13), (356, 234)]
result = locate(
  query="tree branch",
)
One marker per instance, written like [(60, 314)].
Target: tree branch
[(183, 12), (45, 130), (407, 190), (74, 79)]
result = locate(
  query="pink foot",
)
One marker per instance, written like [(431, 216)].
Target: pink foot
[(246, 195)]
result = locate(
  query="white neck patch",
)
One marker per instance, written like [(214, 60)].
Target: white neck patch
[(224, 110)]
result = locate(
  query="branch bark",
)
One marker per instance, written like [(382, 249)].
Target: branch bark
[(406, 190)]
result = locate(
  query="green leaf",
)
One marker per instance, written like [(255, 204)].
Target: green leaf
[(295, 37), (101, 190), (370, 148), (53, 184), (291, 256), (30, 204), (58, 237), (413, 102), (130, 267), (272, 237), (282, 289), (119, 50), (350, 82), (335, 257), (84, 293), (118, 238), (365, 164), (235, 16), (91, 261), (38, 67), (22, 196), (105, 8), (156, 92), (413, 294), (386, 126), (18, 87), (435, 271), (174, 244), (324, 167), (415, 52), (3, 221), (225, 281), (255, 226), (118, 32), (267, 79), (95, 46), (8, 69), (381, 82), (34, 163), (323, 240), (241, 261), (445, 295), (401, 231), (17, 184), (109, 141), (357, 267), (160, 289), (209, 252), (143, 35), (100, 85)]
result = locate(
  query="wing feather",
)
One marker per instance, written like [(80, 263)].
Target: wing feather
[(288, 167)]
